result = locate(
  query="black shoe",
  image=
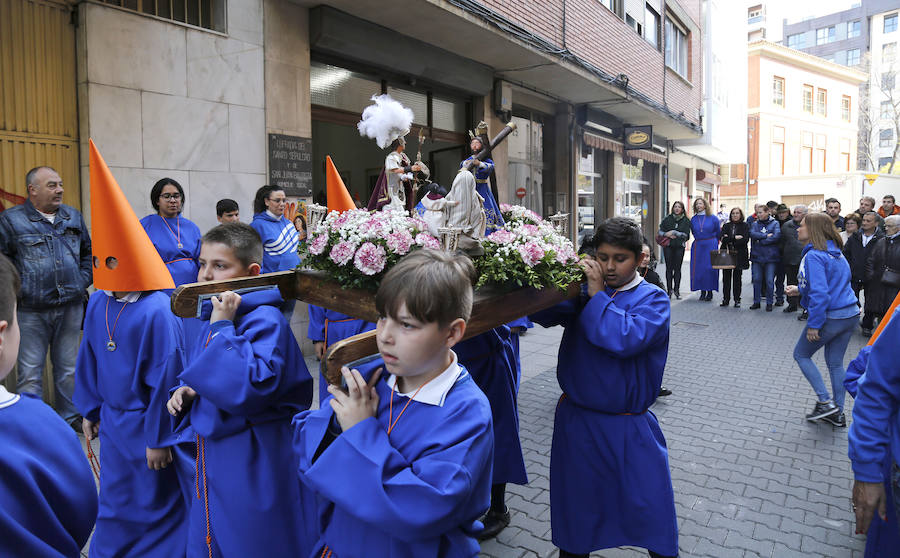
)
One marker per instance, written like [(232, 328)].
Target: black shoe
[(837, 419), (768, 307), (803, 315), (669, 292), (724, 303), (494, 522), (779, 303), (737, 303), (822, 410), (702, 296), (866, 332), (755, 306), (789, 309), (677, 295), (663, 392)]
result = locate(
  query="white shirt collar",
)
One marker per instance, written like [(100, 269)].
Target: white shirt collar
[(7, 398), (133, 296), (633, 283), (435, 391), (273, 216)]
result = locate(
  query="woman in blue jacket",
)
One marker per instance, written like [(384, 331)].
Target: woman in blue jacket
[(279, 236), (824, 288)]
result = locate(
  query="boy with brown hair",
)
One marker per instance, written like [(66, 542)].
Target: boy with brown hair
[(402, 461)]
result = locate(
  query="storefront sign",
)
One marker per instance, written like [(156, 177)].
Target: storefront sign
[(290, 164), (638, 137)]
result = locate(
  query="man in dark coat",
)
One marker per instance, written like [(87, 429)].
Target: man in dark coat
[(857, 251), (791, 252), (883, 269)]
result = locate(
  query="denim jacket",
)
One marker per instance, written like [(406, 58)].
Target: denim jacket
[(54, 260)]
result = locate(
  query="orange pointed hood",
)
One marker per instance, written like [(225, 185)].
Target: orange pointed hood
[(124, 258), (338, 197)]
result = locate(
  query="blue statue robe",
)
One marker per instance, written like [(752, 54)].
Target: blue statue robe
[(330, 327), (48, 499), (250, 379), (416, 494), (706, 231), (493, 217), (166, 235), (142, 512), (610, 483)]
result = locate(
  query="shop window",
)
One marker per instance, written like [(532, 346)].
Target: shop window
[(592, 165), (448, 114), (413, 100), (527, 165), (209, 14), (335, 87)]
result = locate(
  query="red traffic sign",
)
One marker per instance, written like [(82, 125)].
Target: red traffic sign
[(520, 192)]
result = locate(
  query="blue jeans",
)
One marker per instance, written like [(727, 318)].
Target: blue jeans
[(759, 272), (834, 336), (60, 329)]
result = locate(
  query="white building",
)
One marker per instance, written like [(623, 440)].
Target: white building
[(884, 88)]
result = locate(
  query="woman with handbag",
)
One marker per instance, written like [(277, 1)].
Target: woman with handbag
[(824, 287), (674, 231), (883, 269), (735, 236), (705, 228)]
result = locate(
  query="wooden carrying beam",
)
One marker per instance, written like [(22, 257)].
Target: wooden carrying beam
[(490, 309)]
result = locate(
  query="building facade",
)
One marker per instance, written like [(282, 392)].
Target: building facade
[(801, 130)]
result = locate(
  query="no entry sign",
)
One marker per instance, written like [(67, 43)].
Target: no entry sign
[(520, 192)]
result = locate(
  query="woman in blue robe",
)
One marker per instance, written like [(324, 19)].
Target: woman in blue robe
[(250, 379), (706, 229), (48, 499), (327, 327), (175, 238), (416, 494), (610, 483), (130, 354), (482, 171)]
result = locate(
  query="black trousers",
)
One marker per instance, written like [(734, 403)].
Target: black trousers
[(790, 272), (731, 282), (674, 256)]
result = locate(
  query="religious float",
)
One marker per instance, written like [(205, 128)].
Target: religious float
[(524, 263)]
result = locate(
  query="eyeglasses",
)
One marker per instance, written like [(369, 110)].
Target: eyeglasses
[(172, 196), (278, 200)]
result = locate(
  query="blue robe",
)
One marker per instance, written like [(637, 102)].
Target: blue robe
[(331, 326), (415, 494), (706, 231), (48, 499), (250, 379), (610, 483), (142, 512), (181, 262), (493, 217)]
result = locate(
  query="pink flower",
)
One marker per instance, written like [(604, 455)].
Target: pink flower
[(341, 253), (399, 242), (317, 246), (566, 254), (340, 221), (419, 224), (531, 230), (532, 215), (373, 226), (505, 208), (427, 241), (370, 259), (531, 253), (501, 237)]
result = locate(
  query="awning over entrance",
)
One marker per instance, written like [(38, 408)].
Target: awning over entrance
[(600, 142)]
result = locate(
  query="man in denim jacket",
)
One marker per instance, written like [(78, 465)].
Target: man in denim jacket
[(50, 246)]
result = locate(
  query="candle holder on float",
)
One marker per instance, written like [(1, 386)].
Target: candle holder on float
[(449, 238), (314, 214)]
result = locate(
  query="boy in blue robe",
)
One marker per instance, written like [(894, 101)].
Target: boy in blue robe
[(402, 461), (48, 500), (610, 483), (244, 381), (327, 327)]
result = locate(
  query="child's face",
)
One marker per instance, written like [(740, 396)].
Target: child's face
[(645, 257), (217, 262), (619, 264), (412, 348), (9, 344), (230, 217)]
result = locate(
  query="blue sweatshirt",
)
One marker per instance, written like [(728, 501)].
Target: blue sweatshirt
[(280, 242), (765, 248), (875, 430), (824, 283)]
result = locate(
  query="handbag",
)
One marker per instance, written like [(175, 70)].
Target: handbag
[(722, 259), (890, 278), (663, 240)]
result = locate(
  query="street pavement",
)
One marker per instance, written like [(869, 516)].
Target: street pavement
[(752, 478)]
